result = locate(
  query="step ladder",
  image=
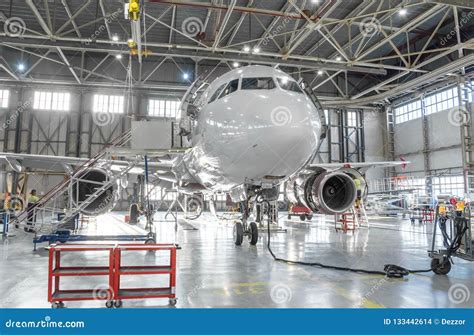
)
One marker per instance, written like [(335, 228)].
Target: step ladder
[(322, 117), (80, 206), (48, 203), (467, 144), (361, 213), (348, 221), (310, 93), (390, 131), (190, 106)]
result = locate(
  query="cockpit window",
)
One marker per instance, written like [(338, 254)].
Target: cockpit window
[(265, 83), (217, 92), (289, 85), (230, 88)]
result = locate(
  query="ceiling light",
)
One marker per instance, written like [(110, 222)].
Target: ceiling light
[(256, 50), (246, 48), (338, 58), (185, 76), (402, 11), (320, 72), (115, 38), (236, 64), (21, 67), (118, 56)]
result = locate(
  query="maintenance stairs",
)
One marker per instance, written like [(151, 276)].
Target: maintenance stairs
[(466, 136), (324, 127), (190, 106), (356, 217), (51, 203)]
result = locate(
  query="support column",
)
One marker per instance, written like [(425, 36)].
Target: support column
[(426, 148)]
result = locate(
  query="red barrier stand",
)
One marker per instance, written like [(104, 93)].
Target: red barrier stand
[(114, 270)]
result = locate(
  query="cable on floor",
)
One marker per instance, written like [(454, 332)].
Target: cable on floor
[(390, 270)]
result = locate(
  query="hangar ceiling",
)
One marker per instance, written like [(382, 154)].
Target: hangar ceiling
[(356, 50)]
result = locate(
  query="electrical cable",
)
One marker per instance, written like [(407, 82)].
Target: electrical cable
[(390, 270)]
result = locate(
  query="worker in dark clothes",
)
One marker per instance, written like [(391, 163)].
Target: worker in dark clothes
[(134, 213), (31, 219)]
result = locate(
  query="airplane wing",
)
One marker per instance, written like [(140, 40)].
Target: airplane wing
[(362, 167), (18, 162)]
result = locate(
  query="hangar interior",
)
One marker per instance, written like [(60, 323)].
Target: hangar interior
[(394, 80)]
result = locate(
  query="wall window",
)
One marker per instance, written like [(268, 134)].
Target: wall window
[(452, 185), (108, 104), (54, 101), (442, 100), (163, 108), (408, 112), (4, 96), (351, 119)]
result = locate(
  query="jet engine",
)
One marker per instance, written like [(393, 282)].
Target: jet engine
[(323, 191), (89, 182)]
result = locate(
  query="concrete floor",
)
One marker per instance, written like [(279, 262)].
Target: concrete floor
[(213, 272)]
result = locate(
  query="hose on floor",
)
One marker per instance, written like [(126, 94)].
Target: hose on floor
[(390, 270)]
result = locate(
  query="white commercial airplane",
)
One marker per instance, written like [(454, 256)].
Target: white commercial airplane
[(250, 130)]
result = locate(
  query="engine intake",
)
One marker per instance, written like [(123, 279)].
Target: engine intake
[(89, 183), (324, 192)]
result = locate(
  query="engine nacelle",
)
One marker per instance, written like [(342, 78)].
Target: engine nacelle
[(324, 192), (89, 183)]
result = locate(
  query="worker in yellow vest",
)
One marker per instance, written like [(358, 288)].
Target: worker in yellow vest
[(358, 185), (32, 200)]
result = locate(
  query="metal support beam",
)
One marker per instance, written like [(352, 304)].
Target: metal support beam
[(40, 19), (66, 62), (223, 24), (69, 14)]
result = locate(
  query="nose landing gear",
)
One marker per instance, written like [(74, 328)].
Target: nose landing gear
[(249, 230)]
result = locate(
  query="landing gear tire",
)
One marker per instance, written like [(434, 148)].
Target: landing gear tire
[(289, 217), (253, 233), (309, 217), (118, 303), (302, 217), (173, 301), (109, 304), (238, 233), (441, 269)]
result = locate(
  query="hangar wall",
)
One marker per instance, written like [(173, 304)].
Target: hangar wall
[(444, 144)]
